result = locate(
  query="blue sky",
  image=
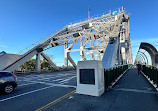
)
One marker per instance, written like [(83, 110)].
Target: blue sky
[(23, 22)]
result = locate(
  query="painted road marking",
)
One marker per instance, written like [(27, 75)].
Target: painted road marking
[(25, 93), (60, 83), (67, 79), (28, 79), (51, 85), (63, 80), (67, 86), (50, 74), (135, 90), (28, 84), (40, 76), (55, 101)]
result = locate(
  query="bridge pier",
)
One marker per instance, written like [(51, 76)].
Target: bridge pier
[(38, 64), (81, 51), (66, 54)]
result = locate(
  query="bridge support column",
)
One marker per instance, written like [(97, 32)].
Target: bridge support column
[(66, 55), (81, 50), (81, 54), (91, 51), (38, 64), (118, 56)]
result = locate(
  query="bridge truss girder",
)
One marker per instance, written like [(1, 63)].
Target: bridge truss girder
[(93, 36)]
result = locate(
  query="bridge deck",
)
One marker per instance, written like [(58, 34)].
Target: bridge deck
[(131, 93)]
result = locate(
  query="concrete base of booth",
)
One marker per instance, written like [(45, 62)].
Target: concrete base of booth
[(90, 92)]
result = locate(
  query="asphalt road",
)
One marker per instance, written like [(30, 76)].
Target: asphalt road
[(130, 93), (35, 91)]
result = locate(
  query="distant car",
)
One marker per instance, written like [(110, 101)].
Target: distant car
[(8, 82)]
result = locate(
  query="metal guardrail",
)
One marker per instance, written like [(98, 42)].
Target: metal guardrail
[(152, 73), (112, 74)]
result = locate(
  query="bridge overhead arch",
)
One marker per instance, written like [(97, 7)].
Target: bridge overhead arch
[(152, 52)]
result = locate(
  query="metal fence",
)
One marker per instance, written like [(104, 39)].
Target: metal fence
[(152, 73), (112, 74)]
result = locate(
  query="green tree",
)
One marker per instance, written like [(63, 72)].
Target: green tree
[(45, 64), (29, 65)]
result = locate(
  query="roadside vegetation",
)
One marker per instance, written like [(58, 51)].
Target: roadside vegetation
[(30, 67)]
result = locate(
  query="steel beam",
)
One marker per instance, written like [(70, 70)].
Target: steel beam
[(71, 61), (92, 34), (38, 63), (49, 60), (66, 55)]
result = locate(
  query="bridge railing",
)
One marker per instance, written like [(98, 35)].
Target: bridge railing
[(113, 74), (152, 73)]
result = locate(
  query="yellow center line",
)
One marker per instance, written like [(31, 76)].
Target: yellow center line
[(40, 109)]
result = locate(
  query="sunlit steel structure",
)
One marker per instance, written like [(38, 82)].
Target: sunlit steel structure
[(107, 35)]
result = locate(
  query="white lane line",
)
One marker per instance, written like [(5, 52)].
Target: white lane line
[(37, 79), (135, 90), (67, 79), (60, 85), (39, 76), (25, 93), (50, 74), (46, 80), (54, 80), (62, 81), (29, 79), (51, 85), (28, 84)]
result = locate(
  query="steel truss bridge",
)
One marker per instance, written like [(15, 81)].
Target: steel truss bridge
[(105, 38)]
